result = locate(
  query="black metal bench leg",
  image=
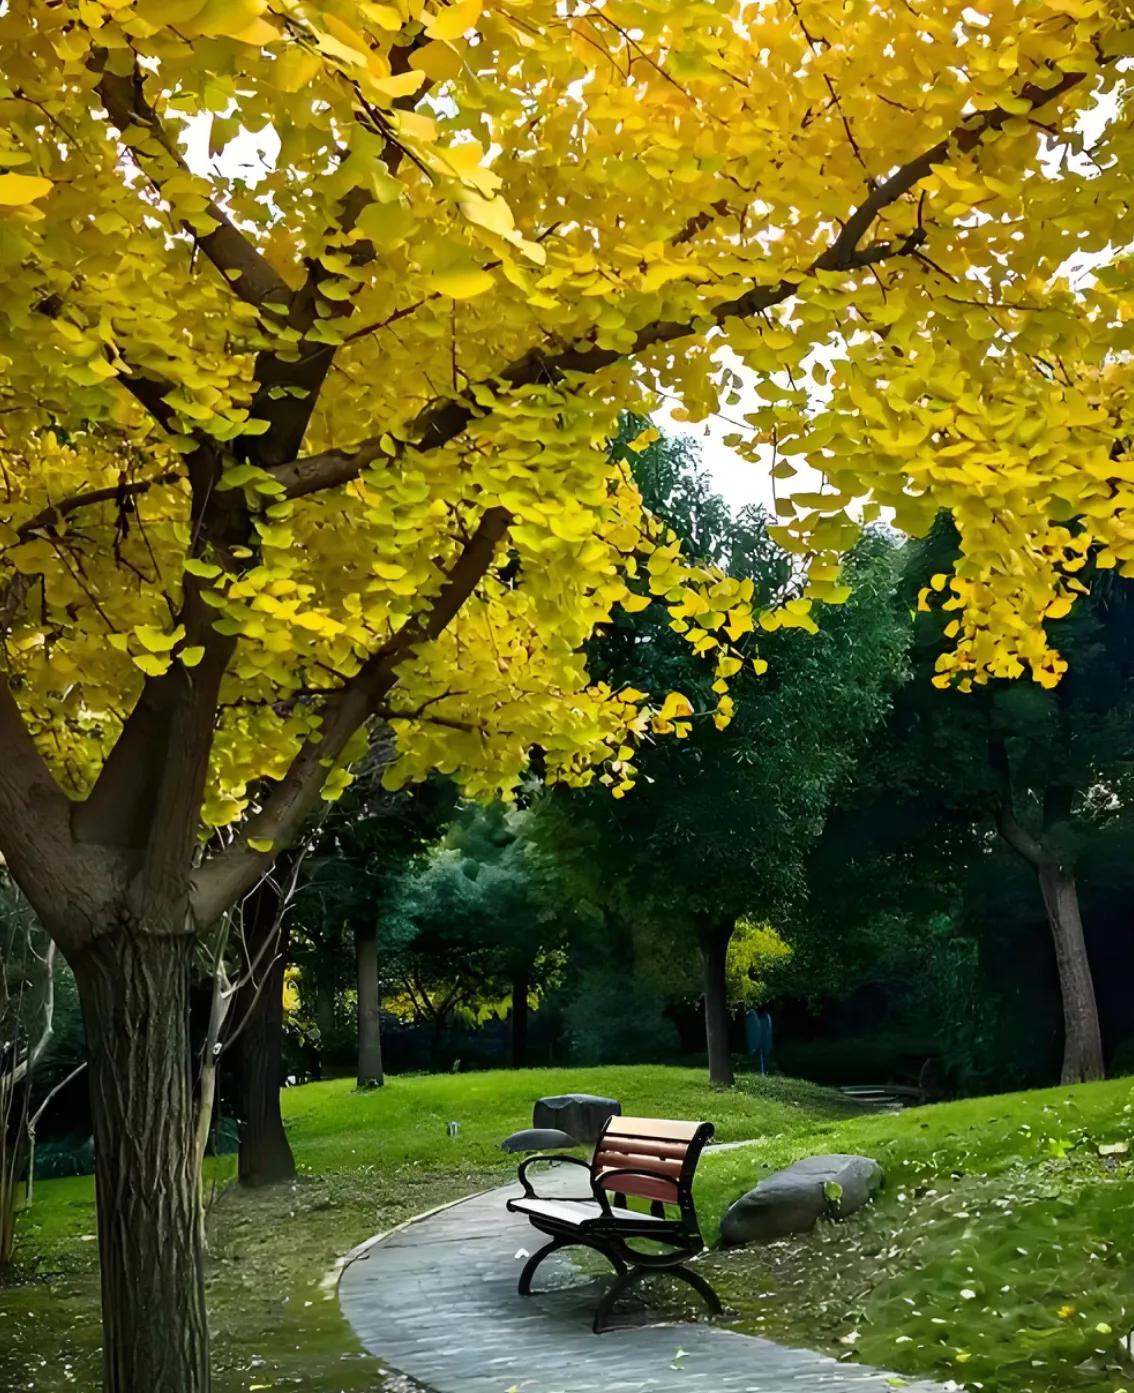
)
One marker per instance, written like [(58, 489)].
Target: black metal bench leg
[(619, 1287), (628, 1279), (525, 1287), (699, 1285)]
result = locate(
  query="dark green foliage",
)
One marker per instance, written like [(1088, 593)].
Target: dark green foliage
[(912, 889), (719, 824), (361, 848), (616, 1019)]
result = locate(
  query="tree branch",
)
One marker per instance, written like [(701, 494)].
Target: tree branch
[(251, 276), (223, 878), (446, 419), (54, 513), (1027, 847), (26, 1066), (288, 414), (35, 835)]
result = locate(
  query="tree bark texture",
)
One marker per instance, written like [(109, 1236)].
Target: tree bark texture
[(265, 1152), (714, 954), (1082, 1041), (134, 991), (370, 1073)]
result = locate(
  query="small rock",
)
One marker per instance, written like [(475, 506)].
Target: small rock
[(793, 1200)]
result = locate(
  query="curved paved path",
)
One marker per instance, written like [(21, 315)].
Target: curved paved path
[(437, 1300)]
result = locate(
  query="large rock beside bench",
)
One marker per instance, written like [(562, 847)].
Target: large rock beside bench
[(793, 1200)]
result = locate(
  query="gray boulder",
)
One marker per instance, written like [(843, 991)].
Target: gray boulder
[(580, 1115), (793, 1200)]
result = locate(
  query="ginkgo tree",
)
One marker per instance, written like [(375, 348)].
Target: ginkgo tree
[(315, 317)]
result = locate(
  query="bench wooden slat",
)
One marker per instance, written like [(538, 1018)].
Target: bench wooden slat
[(642, 1187), (610, 1160), (660, 1128), (637, 1146)]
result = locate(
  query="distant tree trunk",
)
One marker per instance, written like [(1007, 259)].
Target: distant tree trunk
[(265, 1152), (134, 990), (324, 1018), (714, 955), (520, 983), (440, 1024), (1082, 1041), (370, 1073)]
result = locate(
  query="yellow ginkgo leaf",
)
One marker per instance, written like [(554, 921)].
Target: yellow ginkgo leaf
[(462, 284), (192, 655), (438, 61), (675, 704), (491, 213), (157, 640), (644, 440), (19, 189), (634, 603), (454, 20), (398, 84), (150, 664)]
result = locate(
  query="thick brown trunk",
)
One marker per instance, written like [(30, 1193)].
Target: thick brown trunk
[(134, 990), (265, 1152), (1082, 1042), (714, 955), (520, 1019), (369, 1005)]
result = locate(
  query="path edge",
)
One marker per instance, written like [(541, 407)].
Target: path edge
[(330, 1283)]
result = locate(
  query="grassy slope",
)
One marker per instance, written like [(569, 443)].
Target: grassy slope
[(1000, 1253), (1004, 1198), (367, 1161)]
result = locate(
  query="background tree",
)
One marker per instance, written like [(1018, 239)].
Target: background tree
[(1042, 768), (362, 849), (719, 825), (481, 919)]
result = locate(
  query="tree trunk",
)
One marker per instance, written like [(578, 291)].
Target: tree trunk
[(265, 1152), (714, 954), (134, 991), (369, 1004), (1082, 1042), (520, 1018)]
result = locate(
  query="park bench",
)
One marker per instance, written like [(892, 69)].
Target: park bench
[(644, 1159)]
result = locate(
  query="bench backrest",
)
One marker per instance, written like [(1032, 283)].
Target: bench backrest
[(651, 1158)]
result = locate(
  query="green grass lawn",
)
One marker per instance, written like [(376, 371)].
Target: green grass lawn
[(367, 1161), (998, 1254)]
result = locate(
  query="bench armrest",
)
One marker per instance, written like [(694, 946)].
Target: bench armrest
[(556, 1157)]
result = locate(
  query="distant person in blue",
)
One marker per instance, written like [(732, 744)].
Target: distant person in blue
[(758, 1037)]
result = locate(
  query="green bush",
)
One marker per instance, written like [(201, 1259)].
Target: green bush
[(612, 1020)]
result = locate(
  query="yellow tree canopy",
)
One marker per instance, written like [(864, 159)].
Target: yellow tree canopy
[(315, 320)]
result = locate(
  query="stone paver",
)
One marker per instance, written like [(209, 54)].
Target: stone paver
[(437, 1301)]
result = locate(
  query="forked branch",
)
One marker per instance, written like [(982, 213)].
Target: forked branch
[(223, 878)]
